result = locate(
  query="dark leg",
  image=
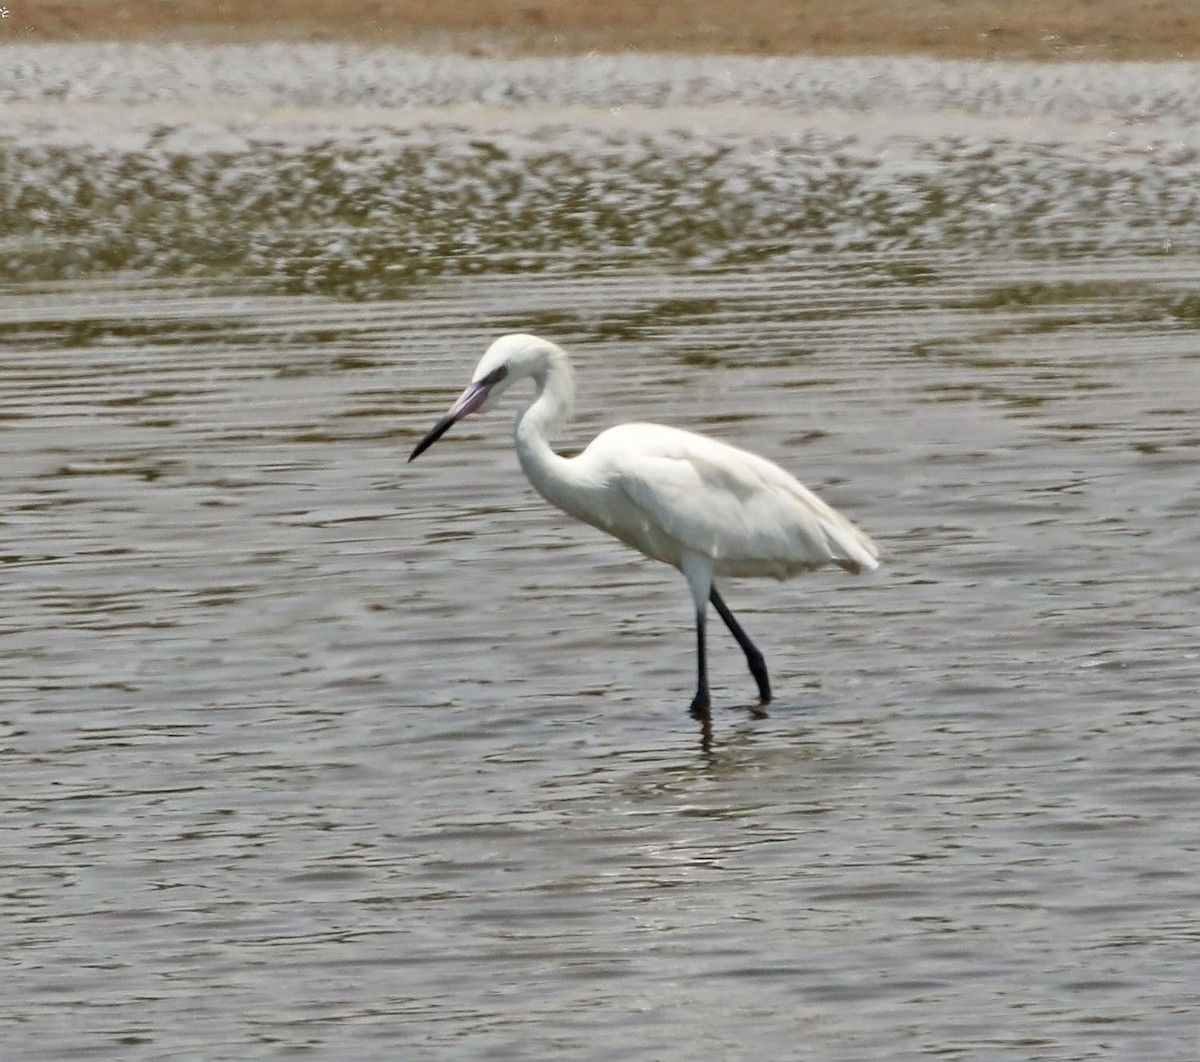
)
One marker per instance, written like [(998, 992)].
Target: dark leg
[(701, 702), (705, 719), (758, 666)]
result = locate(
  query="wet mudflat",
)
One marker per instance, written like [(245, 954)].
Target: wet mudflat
[(310, 751)]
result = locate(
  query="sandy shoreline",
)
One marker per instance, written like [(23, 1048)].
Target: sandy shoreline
[(976, 29)]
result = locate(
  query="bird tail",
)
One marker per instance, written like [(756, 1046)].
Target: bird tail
[(851, 548)]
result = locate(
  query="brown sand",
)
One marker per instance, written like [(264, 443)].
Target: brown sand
[(999, 29)]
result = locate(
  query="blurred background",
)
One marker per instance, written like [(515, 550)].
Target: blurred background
[(1026, 29)]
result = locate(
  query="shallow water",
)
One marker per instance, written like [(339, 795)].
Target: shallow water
[(308, 750)]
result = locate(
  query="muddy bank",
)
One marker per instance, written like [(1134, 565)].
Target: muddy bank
[(1028, 29)]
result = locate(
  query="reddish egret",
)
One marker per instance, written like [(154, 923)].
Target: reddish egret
[(706, 508)]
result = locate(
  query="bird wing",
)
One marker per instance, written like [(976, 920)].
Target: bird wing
[(743, 511)]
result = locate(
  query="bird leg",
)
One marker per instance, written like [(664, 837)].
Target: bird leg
[(701, 703), (758, 666)]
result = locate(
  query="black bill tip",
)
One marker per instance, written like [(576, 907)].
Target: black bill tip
[(435, 433)]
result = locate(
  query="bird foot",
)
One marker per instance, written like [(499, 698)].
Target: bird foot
[(700, 706)]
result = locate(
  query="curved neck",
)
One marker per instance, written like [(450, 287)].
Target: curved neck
[(540, 421)]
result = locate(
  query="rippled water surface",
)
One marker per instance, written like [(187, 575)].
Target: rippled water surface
[(308, 751)]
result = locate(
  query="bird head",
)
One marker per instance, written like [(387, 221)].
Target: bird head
[(509, 359)]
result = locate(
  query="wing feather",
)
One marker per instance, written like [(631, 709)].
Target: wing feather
[(744, 512)]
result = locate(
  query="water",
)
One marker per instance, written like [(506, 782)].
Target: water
[(311, 752)]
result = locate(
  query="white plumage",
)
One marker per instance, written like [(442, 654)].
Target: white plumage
[(706, 508)]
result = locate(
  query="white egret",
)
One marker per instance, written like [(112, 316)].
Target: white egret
[(706, 508)]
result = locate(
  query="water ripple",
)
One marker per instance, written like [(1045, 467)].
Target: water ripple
[(306, 749)]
